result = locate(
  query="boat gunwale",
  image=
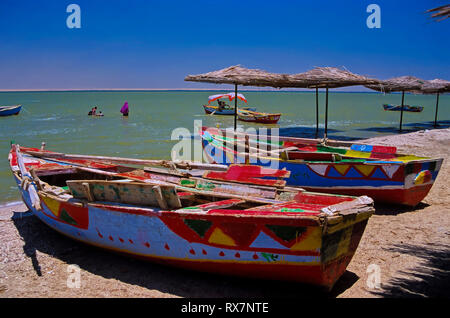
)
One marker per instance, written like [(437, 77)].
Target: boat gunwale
[(8, 107)]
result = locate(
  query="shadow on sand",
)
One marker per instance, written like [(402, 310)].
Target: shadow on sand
[(392, 209), (431, 278), (408, 128), (39, 237)]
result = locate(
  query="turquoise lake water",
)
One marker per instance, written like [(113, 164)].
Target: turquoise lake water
[(60, 119)]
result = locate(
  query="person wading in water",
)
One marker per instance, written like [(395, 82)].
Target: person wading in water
[(125, 110)]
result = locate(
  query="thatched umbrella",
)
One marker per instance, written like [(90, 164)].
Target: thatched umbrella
[(399, 84), (436, 86), (238, 75), (329, 77), (441, 13)]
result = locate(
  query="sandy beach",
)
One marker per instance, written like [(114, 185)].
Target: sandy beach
[(411, 246)]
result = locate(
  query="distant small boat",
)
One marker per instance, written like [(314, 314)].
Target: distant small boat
[(406, 108), (10, 110), (256, 117)]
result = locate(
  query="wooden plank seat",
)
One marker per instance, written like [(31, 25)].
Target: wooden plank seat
[(163, 196)]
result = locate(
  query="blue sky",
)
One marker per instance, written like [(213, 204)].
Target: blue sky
[(155, 44)]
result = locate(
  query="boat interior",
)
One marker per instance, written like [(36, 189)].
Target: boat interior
[(294, 149)]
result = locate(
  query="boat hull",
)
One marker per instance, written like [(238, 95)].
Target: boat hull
[(393, 182), (261, 118), (408, 197), (278, 248), (214, 109), (10, 110), (269, 119)]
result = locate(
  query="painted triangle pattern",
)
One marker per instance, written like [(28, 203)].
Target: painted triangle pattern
[(319, 169), (390, 170), (378, 174), (366, 170), (264, 240), (287, 234), (198, 226), (342, 169), (353, 173)]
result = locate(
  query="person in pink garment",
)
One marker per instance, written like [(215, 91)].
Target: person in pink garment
[(125, 110)]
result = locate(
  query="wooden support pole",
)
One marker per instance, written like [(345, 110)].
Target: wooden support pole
[(401, 110), (317, 111), (326, 113), (437, 106), (235, 106), (247, 149), (235, 120)]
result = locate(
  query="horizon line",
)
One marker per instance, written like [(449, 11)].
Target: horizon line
[(302, 90)]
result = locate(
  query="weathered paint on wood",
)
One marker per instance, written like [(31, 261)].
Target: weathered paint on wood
[(250, 174), (119, 160), (161, 196)]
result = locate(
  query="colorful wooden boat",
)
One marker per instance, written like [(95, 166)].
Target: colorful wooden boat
[(256, 117), (336, 167), (406, 108), (10, 110), (246, 225), (209, 109)]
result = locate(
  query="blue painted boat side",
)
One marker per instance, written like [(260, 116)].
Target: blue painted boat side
[(10, 111)]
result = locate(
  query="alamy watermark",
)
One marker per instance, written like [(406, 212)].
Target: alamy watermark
[(374, 19), (374, 277), (73, 21), (74, 277)]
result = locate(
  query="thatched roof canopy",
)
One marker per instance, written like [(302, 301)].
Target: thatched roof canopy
[(241, 76), (317, 77), (398, 84), (440, 13), (331, 77), (436, 86)]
